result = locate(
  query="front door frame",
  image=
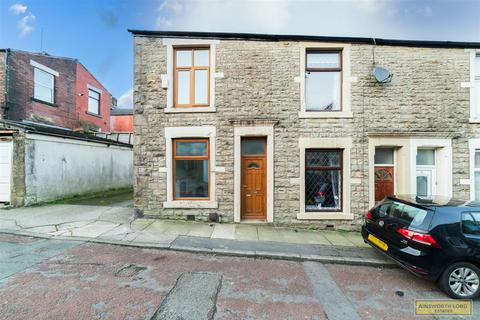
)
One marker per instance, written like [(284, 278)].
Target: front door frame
[(390, 165), (265, 130), (254, 157)]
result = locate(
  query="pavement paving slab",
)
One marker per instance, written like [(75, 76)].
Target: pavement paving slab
[(270, 234), (224, 231), (194, 297), (336, 238), (246, 232), (334, 302), (201, 230), (94, 229)]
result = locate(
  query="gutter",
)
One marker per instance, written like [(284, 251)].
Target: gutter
[(284, 37)]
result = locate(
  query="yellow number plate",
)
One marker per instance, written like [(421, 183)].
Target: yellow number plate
[(379, 243)]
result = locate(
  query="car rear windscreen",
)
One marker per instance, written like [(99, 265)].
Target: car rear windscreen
[(409, 216)]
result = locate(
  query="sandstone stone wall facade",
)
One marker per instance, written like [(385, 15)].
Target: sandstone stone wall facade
[(260, 80)]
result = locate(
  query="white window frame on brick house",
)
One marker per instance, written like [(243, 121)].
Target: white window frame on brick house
[(37, 67), (168, 78), (347, 79), (172, 133), (474, 85), (344, 144), (99, 92)]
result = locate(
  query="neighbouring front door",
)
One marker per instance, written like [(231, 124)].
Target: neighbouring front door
[(384, 172), (384, 182), (254, 178)]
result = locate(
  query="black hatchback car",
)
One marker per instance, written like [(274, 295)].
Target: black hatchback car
[(436, 238)]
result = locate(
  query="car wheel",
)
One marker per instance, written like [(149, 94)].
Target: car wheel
[(461, 280)]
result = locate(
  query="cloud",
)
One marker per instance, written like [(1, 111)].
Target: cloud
[(175, 6), (18, 8), (126, 100), (365, 18), (326, 17), (25, 25)]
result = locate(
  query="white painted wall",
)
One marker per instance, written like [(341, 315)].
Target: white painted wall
[(6, 148), (57, 167)]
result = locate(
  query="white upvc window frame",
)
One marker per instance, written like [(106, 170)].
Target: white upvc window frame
[(99, 92), (473, 146), (344, 143), (347, 79), (49, 71), (471, 85), (172, 133), (429, 171), (167, 79), (443, 179)]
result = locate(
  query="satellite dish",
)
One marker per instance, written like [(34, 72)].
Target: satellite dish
[(382, 75)]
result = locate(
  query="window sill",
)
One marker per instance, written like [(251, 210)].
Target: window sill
[(94, 115), (324, 216), (190, 110), (194, 204), (474, 120), (44, 102), (325, 114)]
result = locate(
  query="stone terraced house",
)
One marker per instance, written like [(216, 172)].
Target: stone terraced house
[(296, 129)]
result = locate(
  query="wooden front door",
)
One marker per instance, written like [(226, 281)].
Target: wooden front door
[(254, 178), (384, 182)]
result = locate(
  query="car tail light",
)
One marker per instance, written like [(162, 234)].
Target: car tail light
[(368, 215), (423, 238)]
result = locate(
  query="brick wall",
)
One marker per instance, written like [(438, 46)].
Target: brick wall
[(83, 79), (259, 82), (121, 123), (21, 106)]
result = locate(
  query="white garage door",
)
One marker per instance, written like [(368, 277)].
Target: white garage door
[(5, 170)]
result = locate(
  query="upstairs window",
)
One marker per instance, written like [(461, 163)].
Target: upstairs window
[(44, 86), (323, 80), (93, 102), (192, 77)]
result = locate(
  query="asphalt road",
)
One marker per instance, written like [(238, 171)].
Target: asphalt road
[(51, 279)]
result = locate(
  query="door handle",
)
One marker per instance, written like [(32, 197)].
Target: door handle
[(248, 195)]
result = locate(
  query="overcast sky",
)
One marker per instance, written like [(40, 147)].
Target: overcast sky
[(95, 31)]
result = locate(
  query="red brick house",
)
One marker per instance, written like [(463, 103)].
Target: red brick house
[(58, 91), (121, 120)]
